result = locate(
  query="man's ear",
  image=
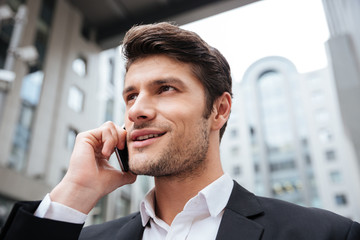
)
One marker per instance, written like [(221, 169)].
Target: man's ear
[(221, 111)]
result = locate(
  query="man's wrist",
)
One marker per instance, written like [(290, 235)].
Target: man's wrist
[(59, 212), (73, 197)]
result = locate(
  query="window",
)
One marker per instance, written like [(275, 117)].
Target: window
[(22, 136), (325, 135), (99, 211), (109, 111), (275, 114), (123, 206), (30, 96), (330, 155), (256, 167), (76, 99), (252, 135), (111, 70), (322, 116), (234, 133), (315, 82), (79, 66), (236, 170), (281, 166), (307, 158), (70, 138), (235, 151), (317, 97), (335, 177), (31, 87), (340, 200)]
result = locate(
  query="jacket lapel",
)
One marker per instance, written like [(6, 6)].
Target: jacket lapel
[(132, 230), (235, 223)]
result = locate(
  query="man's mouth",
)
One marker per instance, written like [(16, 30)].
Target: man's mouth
[(148, 136), (145, 137)]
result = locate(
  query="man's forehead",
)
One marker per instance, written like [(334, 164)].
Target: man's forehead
[(157, 64)]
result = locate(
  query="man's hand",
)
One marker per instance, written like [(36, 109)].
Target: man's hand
[(90, 176)]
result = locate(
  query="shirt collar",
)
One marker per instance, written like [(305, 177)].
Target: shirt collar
[(147, 207), (216, 196)]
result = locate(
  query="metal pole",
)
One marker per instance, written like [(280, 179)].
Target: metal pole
[(20, 20)]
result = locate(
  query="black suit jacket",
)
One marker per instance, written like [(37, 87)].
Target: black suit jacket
[(246, 216)]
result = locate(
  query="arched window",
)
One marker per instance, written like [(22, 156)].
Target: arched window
[(76, 99), (79, 66)]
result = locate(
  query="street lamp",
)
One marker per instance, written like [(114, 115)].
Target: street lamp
[(27, 54), (6, 78)]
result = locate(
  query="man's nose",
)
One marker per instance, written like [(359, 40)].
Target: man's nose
[(142, 110)]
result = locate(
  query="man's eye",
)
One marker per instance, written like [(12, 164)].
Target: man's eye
[(131, 97), (166, 89)]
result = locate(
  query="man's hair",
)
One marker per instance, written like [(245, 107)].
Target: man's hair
[(207, 63)]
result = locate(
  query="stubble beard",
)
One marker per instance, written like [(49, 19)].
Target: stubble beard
[(182, 159)]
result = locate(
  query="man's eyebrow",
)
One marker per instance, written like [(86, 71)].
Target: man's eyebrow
[(172, 80), (128, 89), (158, 82)]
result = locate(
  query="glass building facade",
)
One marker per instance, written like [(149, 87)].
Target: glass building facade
[(278, 132), (31, 90)]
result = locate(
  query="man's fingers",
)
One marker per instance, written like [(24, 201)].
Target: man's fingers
[(110, 140), (111, 137)]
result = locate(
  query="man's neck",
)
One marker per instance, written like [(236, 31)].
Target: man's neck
[(172, 193)]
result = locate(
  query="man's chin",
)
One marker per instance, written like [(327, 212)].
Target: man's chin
[(139, 166), (147, 170)]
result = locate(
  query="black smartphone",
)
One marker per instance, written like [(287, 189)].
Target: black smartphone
[(123, 157)]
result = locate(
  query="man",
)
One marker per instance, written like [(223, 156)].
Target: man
[(178, 99)]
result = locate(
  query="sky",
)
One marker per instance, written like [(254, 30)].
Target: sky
[(294, 29)]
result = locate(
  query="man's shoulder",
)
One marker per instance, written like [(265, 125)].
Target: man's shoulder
[(108, 230), (305, 221), (278, 210), (281, 220), (287, 210)]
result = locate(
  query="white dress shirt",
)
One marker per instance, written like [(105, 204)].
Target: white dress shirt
[(200, 218)]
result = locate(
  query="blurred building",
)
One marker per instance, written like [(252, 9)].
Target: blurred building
[(343, 49), (286, 138), (52, 98)]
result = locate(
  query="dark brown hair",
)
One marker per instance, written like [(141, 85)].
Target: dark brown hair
[(207, 63)]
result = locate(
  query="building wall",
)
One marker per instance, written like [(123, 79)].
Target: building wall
[(10, 120), (334, 156), (50, 144), (325, 160), (65, 117), (343, 49)]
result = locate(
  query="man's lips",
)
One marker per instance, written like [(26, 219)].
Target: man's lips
[(145, 134), (145, 137)]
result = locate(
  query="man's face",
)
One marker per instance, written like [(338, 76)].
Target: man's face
[(165, 102)]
